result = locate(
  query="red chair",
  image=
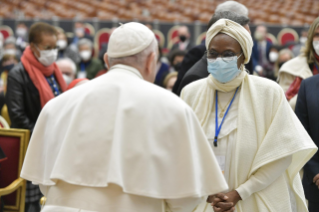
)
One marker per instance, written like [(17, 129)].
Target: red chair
[(102, 36), (14, 144), (172, 36), (89, 29), (287, 35), (6, 31), (271, 38), (201, 38), (160, 37)]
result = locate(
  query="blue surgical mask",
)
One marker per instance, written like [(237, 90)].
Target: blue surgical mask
[(223, 69)]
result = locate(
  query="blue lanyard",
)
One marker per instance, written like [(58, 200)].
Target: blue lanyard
[(82, 67), (218, 128), (54, 85)]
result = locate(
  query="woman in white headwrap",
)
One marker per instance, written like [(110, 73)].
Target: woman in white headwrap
[(256, 137)]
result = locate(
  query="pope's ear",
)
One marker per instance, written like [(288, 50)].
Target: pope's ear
[(106, 60), (149, 62)]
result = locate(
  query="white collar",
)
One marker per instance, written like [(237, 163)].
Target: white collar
[(127, 68)]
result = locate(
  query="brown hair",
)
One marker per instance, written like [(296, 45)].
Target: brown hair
[(37, 29), (8, 57), (308, 51)]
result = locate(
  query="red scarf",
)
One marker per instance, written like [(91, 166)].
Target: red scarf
[(37, 73), (75, 82)]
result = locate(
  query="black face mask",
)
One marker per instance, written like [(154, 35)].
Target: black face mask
[(177, 66), (182, 38), (7, 67)]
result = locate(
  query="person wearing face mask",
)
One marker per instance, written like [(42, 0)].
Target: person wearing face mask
[(244, 118), (88, 67), (184, 42), (10, 47), (120, 143), (79, 33), (65, 50), (22, 36), (296, 50), (301, 67), (175, 59), (261, 49), (199, 70), (32, 84), (68, 69)]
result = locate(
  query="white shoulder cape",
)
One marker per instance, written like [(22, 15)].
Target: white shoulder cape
[(121, 129), (268, 130), (297, 67)]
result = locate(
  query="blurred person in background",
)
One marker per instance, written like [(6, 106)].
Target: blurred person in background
[(11, 48), (170, 80), (31, 84), (79, 33), (184, 42), (296, 50), (261, 49), (88, 67), (197, 52), (176, 58), (161, 68), (1, 45), (199, 70), (66, 50), (269, 69), (283, 56), (7, 63), (301, 67), (21, 34), (68, 69)]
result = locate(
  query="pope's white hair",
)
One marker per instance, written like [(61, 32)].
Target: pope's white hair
[(233, 6), (69, 62), (138, 59)]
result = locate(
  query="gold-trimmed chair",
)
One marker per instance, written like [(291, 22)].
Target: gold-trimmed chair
[(287, 35), (160, 37), (14, 143), (6, 31), (200, 38), (171, 36)]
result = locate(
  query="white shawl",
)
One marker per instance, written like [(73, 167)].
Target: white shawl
[(268, 130), (121, 129)]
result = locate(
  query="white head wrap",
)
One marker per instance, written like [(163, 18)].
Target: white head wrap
[(129, 39), (235, 31)]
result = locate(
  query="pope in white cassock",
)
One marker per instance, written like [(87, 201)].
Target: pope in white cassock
[(256, 137), (119, 143)]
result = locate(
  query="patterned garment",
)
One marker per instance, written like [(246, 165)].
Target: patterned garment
[(33, 193)]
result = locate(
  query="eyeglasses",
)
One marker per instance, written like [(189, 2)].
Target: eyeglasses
[(226, 56), (46, 48)]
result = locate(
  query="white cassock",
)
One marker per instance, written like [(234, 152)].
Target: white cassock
[(119, 143)]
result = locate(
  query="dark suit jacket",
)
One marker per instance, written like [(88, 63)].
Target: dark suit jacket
[(199, 71), (308, 113), (192, 57), (255, 53), (176, 46)]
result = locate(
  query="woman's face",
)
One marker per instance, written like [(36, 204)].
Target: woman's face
[(223, 45), (316, 35), (47, 42)]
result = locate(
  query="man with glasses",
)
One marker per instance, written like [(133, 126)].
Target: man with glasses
[(31, 84)]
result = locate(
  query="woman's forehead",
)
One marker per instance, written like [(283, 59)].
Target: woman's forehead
[(223, 42)]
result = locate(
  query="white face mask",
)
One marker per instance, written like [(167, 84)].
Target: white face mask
[(21, 32), (61, 44), (315, 45), (47, 57), (273, 56), (85, 55), (67, 79), (9, 52), (303, 40)]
